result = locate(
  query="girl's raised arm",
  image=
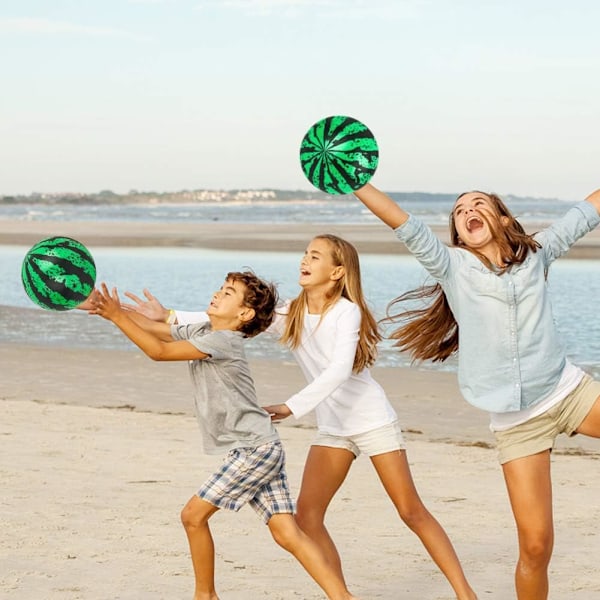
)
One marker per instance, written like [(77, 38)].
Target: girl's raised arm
[(594, 198), (381, 205)]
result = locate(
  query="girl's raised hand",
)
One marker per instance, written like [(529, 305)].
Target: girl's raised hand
[(594, 198), (151, 308)]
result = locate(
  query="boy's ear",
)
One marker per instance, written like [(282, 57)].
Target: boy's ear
[(247, 314)]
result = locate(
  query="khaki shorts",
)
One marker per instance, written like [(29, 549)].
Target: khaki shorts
[(538, 434), (377, 441)]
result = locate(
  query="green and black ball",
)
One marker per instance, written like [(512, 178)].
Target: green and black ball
[(58, 273), (339, 155)]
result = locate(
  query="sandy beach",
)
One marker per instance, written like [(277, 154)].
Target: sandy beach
[(271, 237), (99, 451)]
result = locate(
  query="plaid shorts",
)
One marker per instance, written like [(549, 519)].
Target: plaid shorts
[(255, 476)]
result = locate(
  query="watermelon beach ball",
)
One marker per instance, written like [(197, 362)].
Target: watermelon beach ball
[(339, 155), (58, 273)]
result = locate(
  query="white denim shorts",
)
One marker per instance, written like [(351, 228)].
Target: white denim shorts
[(377, 441)]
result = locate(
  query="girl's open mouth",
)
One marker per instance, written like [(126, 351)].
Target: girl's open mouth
[(474, 223)]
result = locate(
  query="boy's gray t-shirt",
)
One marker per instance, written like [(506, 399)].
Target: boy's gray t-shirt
[(224, 395)]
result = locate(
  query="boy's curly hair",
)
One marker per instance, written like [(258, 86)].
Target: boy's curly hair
[(260, 295)]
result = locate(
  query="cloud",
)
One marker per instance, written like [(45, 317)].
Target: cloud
[(49, 27)]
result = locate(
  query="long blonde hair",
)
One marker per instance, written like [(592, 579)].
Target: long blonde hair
[(431, 333), (348, 286)]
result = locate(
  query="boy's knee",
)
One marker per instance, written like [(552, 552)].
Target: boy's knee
[(187, 516), (192, 514), (285, 530)]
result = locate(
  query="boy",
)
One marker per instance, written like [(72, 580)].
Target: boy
[(230, 420)]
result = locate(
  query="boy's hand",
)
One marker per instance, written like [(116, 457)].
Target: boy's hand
[(106, 304), (278, 412), (150, 308)]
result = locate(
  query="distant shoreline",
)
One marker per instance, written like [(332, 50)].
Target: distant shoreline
[(232, 196), (370, 238)]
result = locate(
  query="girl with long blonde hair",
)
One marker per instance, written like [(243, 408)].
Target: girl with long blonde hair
[(333, 336), (348, 286)]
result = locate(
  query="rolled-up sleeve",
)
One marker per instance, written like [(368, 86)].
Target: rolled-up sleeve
[(558, 238)]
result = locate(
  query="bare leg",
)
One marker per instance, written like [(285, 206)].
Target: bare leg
[(394, 472), (530, 491), (289, 536), (591, 424), (324, 472), (195, 516)]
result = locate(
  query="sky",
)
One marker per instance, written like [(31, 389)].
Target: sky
[(166, 95)]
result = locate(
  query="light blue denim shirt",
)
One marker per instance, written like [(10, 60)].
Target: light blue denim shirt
[(510, 355)]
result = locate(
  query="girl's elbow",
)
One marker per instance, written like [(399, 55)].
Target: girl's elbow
[(344, 373)]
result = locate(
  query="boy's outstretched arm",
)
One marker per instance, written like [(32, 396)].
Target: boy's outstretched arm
[(381, 205), (594, 198), (148, 318), (108, 306), (160, 329)]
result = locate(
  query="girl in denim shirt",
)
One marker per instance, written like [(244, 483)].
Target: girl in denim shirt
[(490, 300)]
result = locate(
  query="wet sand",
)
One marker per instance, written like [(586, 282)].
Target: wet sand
[(368, 238)]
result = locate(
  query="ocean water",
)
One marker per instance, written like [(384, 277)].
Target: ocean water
[(342, 209), (186, 277)]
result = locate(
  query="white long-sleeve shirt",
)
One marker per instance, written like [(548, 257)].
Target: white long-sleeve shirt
[(345, 403)]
